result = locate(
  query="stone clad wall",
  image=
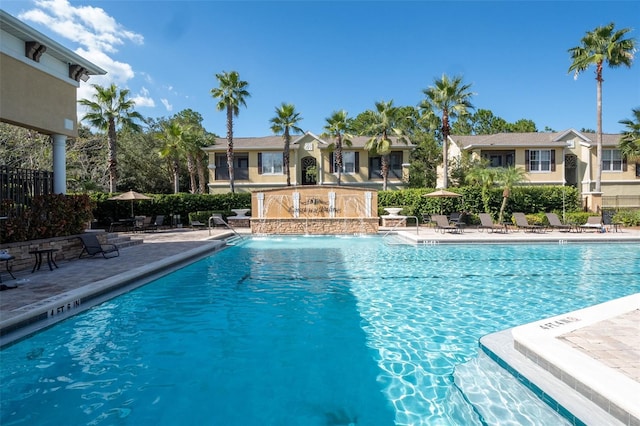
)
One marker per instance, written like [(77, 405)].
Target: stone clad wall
[(319, 226), (68, 248)]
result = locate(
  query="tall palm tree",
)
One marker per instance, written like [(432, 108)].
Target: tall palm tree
[(231, 93), (337, 127), (508, 178), (284, 122), (173, 149), (109, 111), (453, 99), (600, 46), (384, 123), (630, 141)]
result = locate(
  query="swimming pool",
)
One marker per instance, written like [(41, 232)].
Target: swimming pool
[(307, 331)]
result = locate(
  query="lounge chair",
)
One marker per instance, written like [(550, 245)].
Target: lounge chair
[(442, 224), (554, 223), (593, 222), (486, 222), (523, 223), (91, 246), (154, 224)]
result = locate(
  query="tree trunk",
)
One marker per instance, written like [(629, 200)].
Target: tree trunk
[(176, 176), (230, 147), (286, 155), (339, 158), (445, 154), (385, 171), (202, 182), (113, 159), (191, 167), (505, 196), (599, 127)]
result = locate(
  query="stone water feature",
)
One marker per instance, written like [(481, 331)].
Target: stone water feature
[(315, 210)]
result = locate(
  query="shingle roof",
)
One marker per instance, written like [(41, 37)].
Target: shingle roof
[(276, 142), (530, 139)]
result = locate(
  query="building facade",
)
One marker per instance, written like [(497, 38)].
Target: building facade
[(560, 158), (259, 164)]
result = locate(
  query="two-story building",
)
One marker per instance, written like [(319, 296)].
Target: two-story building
[(560, 158), (259, 163)]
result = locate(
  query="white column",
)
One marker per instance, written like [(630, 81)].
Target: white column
[(260, 198), (59, 164), (332, 204), (368, 200), (296, 204)]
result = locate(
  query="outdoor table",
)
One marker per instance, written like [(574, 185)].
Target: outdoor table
[(6, 265), (38, 255)]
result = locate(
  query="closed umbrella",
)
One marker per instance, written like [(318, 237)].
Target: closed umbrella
[(130, 196)]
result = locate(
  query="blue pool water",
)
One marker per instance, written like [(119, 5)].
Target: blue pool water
[(309, 331)]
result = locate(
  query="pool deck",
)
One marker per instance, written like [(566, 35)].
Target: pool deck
[(587, 361)]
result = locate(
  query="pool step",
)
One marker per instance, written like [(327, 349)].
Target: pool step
[(122, 241), (499, 398)]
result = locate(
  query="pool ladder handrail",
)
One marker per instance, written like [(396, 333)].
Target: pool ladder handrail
[(400, 222), (218, 220)]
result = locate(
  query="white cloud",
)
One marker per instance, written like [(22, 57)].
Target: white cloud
[(166, 104), (97, 33), (143, 99)]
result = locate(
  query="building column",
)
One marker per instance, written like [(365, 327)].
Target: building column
[(59, 164)]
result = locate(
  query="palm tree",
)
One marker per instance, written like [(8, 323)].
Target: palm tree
[(484, 176), (630, 141), (453, 99), (597, 47), (284, 122), (383, 123), (109, 111), (508, 178), (173, 149), (337, 127), (231, 94)]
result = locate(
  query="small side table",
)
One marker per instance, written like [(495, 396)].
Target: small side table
[(38, 254), (7, 267)]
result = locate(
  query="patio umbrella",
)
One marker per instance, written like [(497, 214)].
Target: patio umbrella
[(442, 193), (130, 196)]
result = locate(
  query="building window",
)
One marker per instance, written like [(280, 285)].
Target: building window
[(611, 160), (270, 163), (499, 158), (395, 166), (540, 160), (240, 166), (350, 160)]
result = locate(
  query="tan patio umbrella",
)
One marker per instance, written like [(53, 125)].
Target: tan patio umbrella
[(130, 196), (442, 193)]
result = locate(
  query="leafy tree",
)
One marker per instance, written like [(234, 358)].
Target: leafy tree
[(383, 122), (452, 98), (284, 122), (109, 111), (630, 141), (424, 160), (600, 46), (508, 178), (523, 126), (337, 127), (194, 138), (231, 93)]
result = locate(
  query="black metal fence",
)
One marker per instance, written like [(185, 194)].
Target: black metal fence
[(19, 186)]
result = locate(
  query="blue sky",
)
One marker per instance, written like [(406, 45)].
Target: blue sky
[(329, 55)]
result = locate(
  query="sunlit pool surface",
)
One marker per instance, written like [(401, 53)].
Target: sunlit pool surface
[(311, 331)]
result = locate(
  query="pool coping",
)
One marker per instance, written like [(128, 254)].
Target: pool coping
[(579, 387), (46, 313)]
